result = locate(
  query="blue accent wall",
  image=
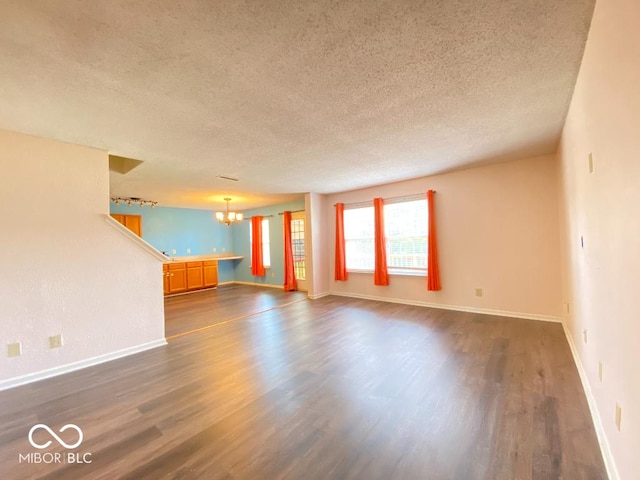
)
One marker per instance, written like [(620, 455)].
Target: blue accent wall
[(179, 229), (242, 244)]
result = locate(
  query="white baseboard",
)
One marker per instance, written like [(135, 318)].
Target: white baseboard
[(71, 367), (485, 311), (609, 462), (319, 295), (255, 284)]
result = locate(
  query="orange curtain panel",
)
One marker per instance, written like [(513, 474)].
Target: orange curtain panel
[(290, 282), (341, 259), (380, 274), (257, 262), (433, 272)]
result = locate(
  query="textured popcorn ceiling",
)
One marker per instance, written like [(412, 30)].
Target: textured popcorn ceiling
[(290, 96)]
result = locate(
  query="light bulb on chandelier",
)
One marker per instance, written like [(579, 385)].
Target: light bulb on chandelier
[(229, 217)]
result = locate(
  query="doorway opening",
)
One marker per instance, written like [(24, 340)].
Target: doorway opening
[(299, 249)]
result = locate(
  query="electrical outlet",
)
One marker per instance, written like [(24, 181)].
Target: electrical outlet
[(618, 415), (600, 370), (590, 162), (173, 251), (188, 251), (584, 335), (478, 292), (14, 349), (215, 249), (55, 341), (224, 249)]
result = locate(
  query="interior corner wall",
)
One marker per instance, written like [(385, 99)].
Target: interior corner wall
[(181, 229), (601, 210), (187, 231), (497, 230), (64, 269), (242, 245)]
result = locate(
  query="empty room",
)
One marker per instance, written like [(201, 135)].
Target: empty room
[(319, 240)]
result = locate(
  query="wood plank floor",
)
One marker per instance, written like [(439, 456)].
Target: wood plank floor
[(333, 388), (199, 310)]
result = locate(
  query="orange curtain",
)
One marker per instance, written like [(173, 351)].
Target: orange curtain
[(290, 282), (257, 262), (380, 274), (341, 259), (433, 272)]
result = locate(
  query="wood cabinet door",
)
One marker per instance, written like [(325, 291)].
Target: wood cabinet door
[(210, 270), (134, 223), (165, 279), (195, 279), (118, 217), (177, 278)]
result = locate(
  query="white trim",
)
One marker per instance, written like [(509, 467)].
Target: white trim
[(135, 239), (485, 311), (319, 295), (71, 367), (259, 284), (607, 455)]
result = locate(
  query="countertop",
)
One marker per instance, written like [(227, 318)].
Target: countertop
[(200, 258)]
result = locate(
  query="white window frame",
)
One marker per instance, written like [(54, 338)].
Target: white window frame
[(351, 238), (356, 241)]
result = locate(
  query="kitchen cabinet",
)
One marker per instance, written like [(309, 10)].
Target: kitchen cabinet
[(195, 279), (132, 222), (210, 273), (165, 278), (177, 277), (189, 276)]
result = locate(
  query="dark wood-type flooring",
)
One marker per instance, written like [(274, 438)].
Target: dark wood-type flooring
[(333, 388), (200, 310)]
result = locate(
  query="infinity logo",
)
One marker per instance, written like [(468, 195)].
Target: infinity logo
[(53, 434)]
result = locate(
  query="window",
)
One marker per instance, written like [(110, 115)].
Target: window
[(406, 232), (266, 248), (358, 238), (297, 241)]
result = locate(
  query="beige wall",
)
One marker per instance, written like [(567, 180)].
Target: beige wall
[(64, 269), (497, 230), (602, 280), (317, 263)]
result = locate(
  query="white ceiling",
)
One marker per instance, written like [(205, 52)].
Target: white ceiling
[(290, 96)]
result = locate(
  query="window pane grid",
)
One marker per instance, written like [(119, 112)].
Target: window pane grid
[(297, 240)]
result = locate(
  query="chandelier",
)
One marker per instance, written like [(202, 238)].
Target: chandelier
[(228, 217), (133, 201)]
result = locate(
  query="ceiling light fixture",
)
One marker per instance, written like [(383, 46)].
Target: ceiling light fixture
[(229, 217), (133, 201)]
